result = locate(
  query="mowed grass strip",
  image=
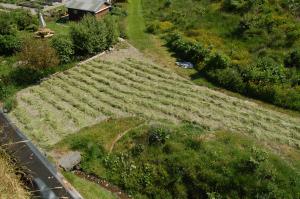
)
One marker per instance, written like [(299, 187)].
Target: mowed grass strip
[(98, 90)]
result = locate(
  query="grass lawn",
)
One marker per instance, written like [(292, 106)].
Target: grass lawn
[(58, 28), (87, 189), (136, 26)]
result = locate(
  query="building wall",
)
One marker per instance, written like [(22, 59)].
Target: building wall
[(76, 15), (102, 13)]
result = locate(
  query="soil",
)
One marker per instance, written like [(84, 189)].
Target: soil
[(103, 183)]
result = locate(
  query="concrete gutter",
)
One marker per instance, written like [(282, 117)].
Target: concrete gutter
[(46, 181)]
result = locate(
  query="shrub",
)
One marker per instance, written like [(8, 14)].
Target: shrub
[(287, 97), (16, 20), (91, 36), (266, 70), (137, 149), (229, 78), (25, 76), (24, 19), (64, 48), (236, 5), (166, 26), (153, 27), (118, 11), (113, 31), (186, 49), (6, 90), (37, 55), (261, 91), (7, 26), (9, 103), (293, 59), (9, 44), (32, 28), (217, 61), (158, 135)]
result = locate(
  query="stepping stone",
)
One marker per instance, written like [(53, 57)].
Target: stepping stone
[(69, 160)]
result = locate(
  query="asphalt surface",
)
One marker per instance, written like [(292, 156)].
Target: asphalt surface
[(41, 176)]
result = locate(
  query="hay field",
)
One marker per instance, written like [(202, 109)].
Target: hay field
[(100, 89)]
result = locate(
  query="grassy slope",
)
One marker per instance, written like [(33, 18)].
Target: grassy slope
[(158, 52), (87, 189), (152, 46), (10, 185), (71, 100), (114, 127), (209, 160)]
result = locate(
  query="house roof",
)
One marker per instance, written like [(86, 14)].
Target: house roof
[(86, 5)]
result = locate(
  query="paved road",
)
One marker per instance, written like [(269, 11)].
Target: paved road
[(32, 10), (14, 7)]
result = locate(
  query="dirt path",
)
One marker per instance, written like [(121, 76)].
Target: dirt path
[(121, 135)]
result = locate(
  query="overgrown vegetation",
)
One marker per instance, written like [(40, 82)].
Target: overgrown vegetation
[(250, 47), (10, 183), (10, 24), (33, 59), (184, 161)]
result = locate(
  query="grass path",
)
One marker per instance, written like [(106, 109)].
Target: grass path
[(136, 26), (120, 136)]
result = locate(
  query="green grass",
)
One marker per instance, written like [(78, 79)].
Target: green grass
[(167, 160), (6, 64), (87, 189), (136, 26), (58, 28), (99, 133)]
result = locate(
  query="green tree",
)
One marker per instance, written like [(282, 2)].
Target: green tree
[(64, 48), (89, 36)]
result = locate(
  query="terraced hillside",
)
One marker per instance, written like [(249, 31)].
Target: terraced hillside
[(100, 89)]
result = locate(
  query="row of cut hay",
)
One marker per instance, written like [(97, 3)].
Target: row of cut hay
[(131, 76), (95, 91)]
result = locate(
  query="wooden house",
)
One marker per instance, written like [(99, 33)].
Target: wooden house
[(78, 8)]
